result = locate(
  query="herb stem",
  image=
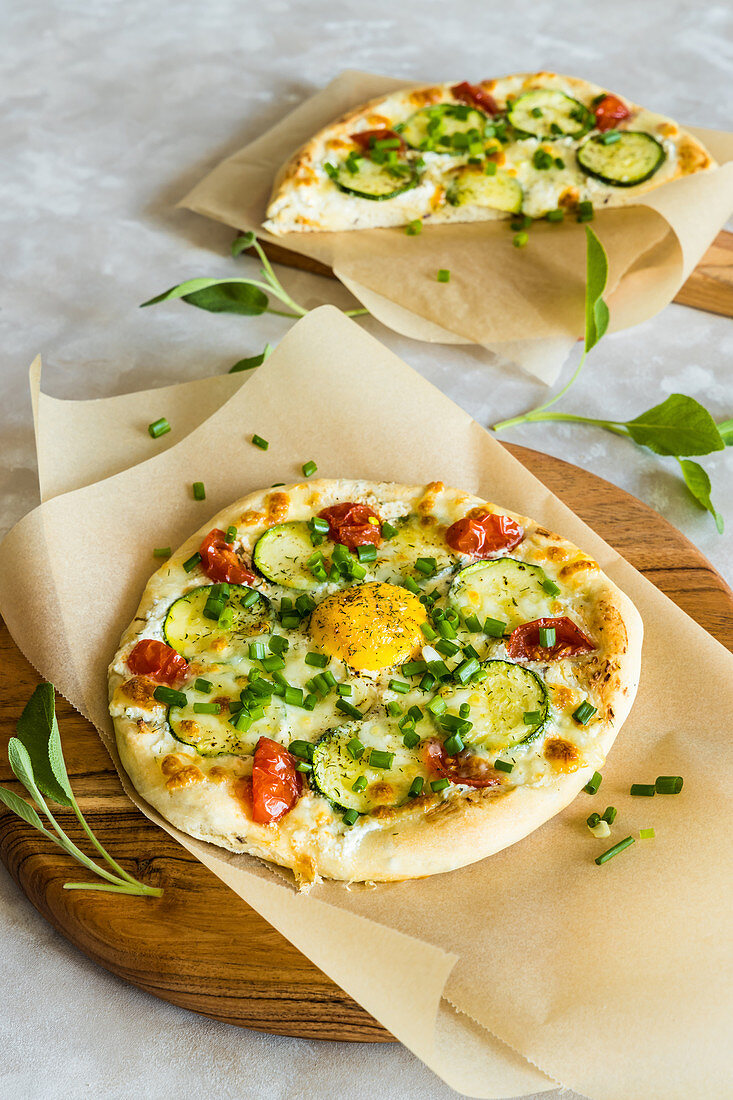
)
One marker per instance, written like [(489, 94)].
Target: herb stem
[(67, 844), (356, 313), (97, 844), (122, 888)]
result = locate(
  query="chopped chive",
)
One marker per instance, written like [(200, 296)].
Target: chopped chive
[(416, 714), (466, 669), (531, 717), (646, 834), (520, 240), (610, 137), (439, 669), (351, 817), (192, 562), (411, 738), (443, 275), (159, 428), (412, 586), (464, 710), (393, 709), (170, 696), (439, 784), (473, 623), (413, 228), (585, 212), (428, 631), (416, 787), (414, 668), (366, 552), (231, 534), (427, 682), (593, 783), (251, 598), (305, 604), (359, 784), (593, 820), (301, 749), (319, 525), (609, 814), (548, 636), (490, 168), (256, 651), (504, 765), (316, 660), (278, 644), (668, 784), (199, 492), (388, 531), (399, 686), (427, 566), (242, 722), (447, 648), (555, 215), (207, 708), (293, 696), (584, 712), (303, 767), (355, 748), (347, 708), (446, 629), (310, 701), (625, 843), (329, 677), (550, 587), (260, 442), (162, 552), (290, 622), (453, 745), (644, 789), (309, 468), (380, 759), (494, 628)]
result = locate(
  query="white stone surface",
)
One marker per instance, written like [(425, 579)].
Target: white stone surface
[(112, 111)]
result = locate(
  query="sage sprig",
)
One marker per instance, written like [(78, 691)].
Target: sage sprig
[(678, 427), (37, 761)]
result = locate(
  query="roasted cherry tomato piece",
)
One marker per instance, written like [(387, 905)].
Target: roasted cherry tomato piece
[(475, 96), (220, 563), (472, 771), (157, 660), (484, 534), (570, 641), (367, 138), (276, 785), (352, 524), (609, 111)]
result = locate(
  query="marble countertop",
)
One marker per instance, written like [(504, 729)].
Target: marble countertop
[(113, 111)]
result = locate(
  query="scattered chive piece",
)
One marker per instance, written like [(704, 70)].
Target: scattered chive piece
[(303, 767), (162, 552), (355, 748), (316, 660), (301, 749), (170, 696), (242, 722), (260, 442), (411, 738), (199, 492), (428, 631), (412, 586), (399, 686), (625, 843), (550, 587), (668, 784), (351, 817), (437, 706), (159, 427), (413, 228), (531, 717), (646, 789), (439, 784), (309, 468), (388, 531), (310, 701), (278, 644), (380, 759), (585, 211), (293, 696), (444, 275), (344, 689), (609, 814), (584, 712), (494, 628), (555, 215), (427, 566), (473, 623), (204, 686), (447, 648), (416, 787), (346, 708), (366, 552), (646, 834), (520, 239), (427, 682), (256, 651), (192, 562), (329, 677), (414, 668), (393, 709), (548, 636), (231, 534), (593, 820), (504, 765), (466, 669), (453, 745), (593, 783), (464, 710), (446, 629), (416, 714), (207, 708), (359, 784)]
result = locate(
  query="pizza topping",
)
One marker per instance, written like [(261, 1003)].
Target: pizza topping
[(352, 524), (276, 782), (471, 185), (463, 767), (448, 128), (379, 140), (194, 624), (363, 767), (548, 113), (548, 640), (508, 707), (475, 95), (609, 110), (372, 178), (621, 158), (484, 534), (157, 660), (220, 562)]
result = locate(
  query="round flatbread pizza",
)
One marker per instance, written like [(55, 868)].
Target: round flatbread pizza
[(536, 145), (371, 682)]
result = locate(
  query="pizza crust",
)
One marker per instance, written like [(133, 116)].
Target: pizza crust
[(429, 835)]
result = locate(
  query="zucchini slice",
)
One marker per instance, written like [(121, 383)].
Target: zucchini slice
[(281, 555), (210, 734), (632, 158), (190, 633), (396, 557), (335, 771), (446, 128), (364, 178), (470, 186), (547, 113), (498, 705), (502, 588)]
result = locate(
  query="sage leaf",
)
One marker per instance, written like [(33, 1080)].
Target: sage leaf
[(217, 296), (726, 432), (38, 732), (20, 807), (254, 361), (698, 483), (596, 310), (20, 762), (679, 426), (242, 243)]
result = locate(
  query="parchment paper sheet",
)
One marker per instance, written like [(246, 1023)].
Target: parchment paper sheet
[(612, 980), (525, 305)]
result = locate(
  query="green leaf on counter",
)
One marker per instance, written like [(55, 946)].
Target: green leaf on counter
[(726, 432), (254, 361), (698, 483), (38, 731), (679, 426), (217, 296), (21, 808)]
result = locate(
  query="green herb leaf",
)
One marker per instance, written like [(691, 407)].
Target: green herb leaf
[(596, 310), (242, 243), (38, 732), (254, 361), (726, 432), (679, 426), (698, 483), (20, 807), (218, 296)]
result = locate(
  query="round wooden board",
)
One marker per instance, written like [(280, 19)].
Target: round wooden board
[(199, 946)]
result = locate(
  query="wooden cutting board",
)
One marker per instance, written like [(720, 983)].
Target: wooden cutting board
[(199, 945), (710, 287)]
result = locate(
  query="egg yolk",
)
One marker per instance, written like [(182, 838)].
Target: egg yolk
[(370, 627)]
